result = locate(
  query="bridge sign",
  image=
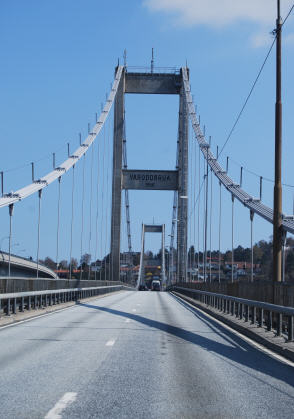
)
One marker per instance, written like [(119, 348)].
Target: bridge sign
[(162, 180)]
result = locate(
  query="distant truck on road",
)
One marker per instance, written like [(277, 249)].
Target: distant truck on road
[(155, 285)]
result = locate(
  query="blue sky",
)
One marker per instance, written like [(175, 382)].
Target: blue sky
[(57, 63)]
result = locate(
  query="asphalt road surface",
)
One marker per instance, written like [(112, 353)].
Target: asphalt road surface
[(137, 355)]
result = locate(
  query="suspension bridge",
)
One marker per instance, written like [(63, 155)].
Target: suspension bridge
[(105, 350), (174, 82)]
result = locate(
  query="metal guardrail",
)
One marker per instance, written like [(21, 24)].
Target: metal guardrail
[(273, 317), (11, 303)]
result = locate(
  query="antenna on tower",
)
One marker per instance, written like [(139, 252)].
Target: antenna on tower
[(125, 57), (152, 61)]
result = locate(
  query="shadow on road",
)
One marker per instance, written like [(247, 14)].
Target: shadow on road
[(238, 353)]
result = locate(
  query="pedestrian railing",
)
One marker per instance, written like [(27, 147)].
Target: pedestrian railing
[(279, 319), (12, 303)]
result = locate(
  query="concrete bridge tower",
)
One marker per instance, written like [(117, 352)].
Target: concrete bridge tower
[(150, 83)]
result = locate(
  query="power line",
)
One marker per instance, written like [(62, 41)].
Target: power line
[(290, 11), (248, 96), (254, 84), (258, 175)]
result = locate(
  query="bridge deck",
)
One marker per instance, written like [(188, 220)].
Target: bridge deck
[(134, 355)]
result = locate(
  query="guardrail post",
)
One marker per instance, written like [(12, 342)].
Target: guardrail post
[(241, 311), (35, 302), (290, 328), (14, 306), (269, 320), (253, 315), (246, 313), (50, 300), (233, 308), (0, 306), (279, 324), (8, 307), (260, 321), (22, 304)]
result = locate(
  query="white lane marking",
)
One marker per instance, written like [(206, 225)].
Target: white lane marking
[(110, 342), (138, 304), (127, 320), (250, 341), (66, 399), (134, 309)]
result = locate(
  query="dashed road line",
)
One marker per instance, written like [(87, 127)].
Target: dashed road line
[(110, 342), (66, 399)]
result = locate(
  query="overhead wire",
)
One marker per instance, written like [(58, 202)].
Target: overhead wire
[(102, 199), (90, 208), (72, 220), (107, 196), (258, 175), (97, 210), (247, 98), (82, 215), (254, 84)]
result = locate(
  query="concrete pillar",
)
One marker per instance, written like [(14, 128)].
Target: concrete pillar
[(118, 130)]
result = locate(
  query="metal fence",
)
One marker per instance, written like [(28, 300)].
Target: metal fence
[(19, 302), (280, 319)]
